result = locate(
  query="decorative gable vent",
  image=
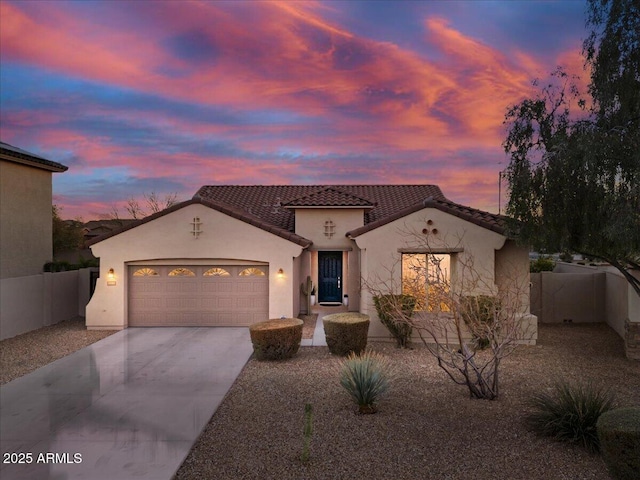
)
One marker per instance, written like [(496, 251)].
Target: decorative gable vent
[(329, 229), (196, 227)]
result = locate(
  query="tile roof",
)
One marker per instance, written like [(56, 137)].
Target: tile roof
[(329, 197), (226, 209), (271, 207), (272, 203), (490, 221), (9, 152)]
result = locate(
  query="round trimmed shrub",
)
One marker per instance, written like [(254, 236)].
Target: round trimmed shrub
[(346, 332), (619, 434), (276, 339)]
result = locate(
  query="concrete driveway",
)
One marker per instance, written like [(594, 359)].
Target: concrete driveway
[(129, 406)]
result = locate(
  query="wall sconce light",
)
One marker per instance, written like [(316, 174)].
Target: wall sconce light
[(111, 278), (280, 273)]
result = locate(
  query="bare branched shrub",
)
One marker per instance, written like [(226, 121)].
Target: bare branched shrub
[(467, 322)]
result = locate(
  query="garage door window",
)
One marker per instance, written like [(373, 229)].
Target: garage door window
[(251, 272), (145, 272), (216, 272), (181, 272)]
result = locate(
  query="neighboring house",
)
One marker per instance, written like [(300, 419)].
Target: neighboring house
[(97, 228), (234, 255), (25, 211)]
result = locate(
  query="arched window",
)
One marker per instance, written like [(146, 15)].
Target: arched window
[(216, 272), (181, 272), (145, 272), (251, 272)]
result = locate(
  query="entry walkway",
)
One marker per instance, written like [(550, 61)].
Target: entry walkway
[(319, 339), (129, 406)]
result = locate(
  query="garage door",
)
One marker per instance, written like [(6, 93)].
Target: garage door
[(185, 295)]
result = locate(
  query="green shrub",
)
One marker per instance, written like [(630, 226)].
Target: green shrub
[(542, 264), (365, 378), (619, 434), (570, 413), (277, 339), (388, 308), (346, 332), (479, 314)]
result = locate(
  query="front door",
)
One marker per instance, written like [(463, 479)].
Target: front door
[(329, 276)]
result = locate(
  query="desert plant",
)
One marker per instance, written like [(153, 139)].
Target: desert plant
[(619, 434), (542, 264), (307, 431), (479, 314), (440, 283), (346, 332), (276, 339), (570, 412), (365, 377), (387, 306), (307, 289)]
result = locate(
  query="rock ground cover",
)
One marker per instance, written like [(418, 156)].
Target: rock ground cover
[(27, 352), (426, 427)]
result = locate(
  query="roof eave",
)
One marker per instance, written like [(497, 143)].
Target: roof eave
[(428, 203), (238, 215), (35, 162)]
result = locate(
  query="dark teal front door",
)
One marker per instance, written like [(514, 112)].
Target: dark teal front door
[(329, 276)]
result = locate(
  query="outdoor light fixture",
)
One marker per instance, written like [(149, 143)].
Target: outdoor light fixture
[(111, 278), (280, 273)]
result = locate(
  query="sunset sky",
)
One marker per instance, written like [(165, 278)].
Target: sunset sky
[(165, 96)]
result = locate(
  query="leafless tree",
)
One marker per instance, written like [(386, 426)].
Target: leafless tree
[(154, 204), (465, 320)]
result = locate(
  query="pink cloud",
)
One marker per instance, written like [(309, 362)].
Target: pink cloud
[(374, 98)]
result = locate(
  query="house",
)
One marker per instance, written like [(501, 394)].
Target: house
[(235, 255), (25, 211), (96, 228)]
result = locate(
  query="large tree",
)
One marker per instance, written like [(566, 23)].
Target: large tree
[(574, 171), (67, 234)]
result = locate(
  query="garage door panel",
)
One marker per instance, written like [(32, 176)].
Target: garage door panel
[(222, 287), (204, 299), (181, 287), (149, 303), (180, 318), (181, 303), (151, 287)]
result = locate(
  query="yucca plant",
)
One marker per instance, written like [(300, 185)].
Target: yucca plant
[(570, 412), (365, 377)]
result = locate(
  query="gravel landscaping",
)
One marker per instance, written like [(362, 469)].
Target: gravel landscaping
[(426, 428), (27, 352)]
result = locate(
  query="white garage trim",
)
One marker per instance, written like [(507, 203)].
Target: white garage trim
[(198, 295)]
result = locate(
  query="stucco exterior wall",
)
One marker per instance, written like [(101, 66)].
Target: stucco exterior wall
[(26, 223), (380, 256), (170, 238), (310, 224), (512, 268), (569, 297), (35, 301)]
